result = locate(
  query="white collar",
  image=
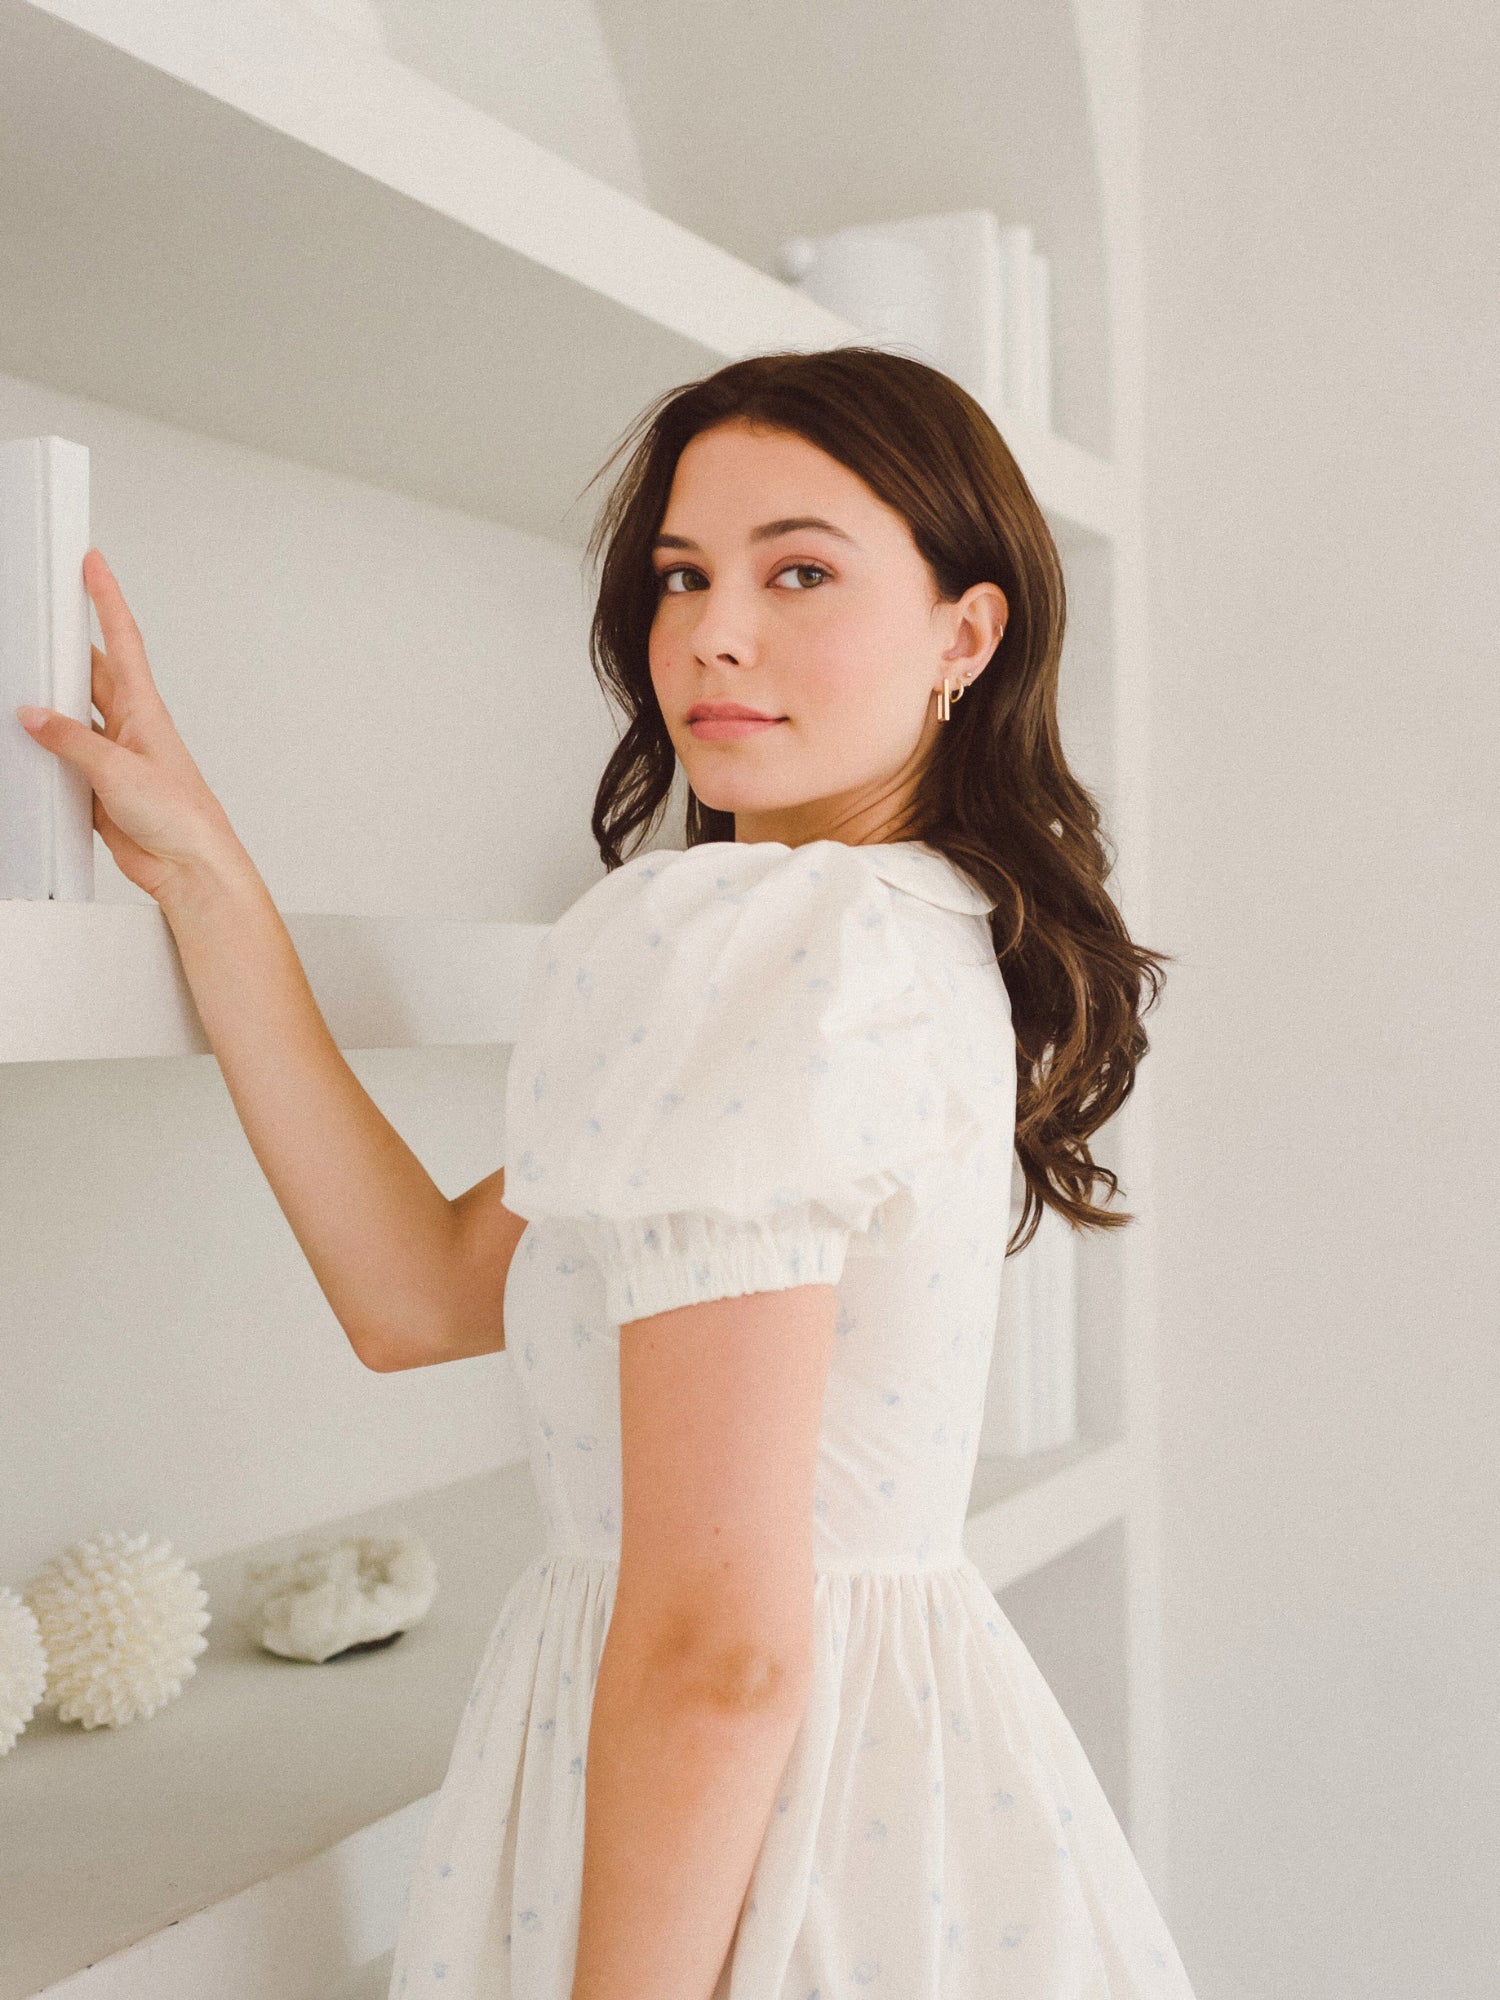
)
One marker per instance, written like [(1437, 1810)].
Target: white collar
[(927, 872), (912, 865)]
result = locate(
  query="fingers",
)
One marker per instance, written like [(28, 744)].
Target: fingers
[(122, 686), (122, 638), (70, 740), (103, 677), (36, 720), (106, 829)]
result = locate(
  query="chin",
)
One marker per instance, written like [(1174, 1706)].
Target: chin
[(720, 794)]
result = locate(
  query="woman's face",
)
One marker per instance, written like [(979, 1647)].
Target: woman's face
[(832, 630)]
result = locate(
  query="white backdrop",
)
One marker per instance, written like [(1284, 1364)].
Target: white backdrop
[(1323, 318)]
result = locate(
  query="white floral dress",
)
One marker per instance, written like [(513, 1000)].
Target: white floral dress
[(741, 1067)]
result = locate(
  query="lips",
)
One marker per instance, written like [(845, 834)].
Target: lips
[(731, 728), (729, 713)]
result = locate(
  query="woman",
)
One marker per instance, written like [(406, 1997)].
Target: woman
[(753, 1727)]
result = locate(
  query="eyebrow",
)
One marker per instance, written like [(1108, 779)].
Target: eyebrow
[(767, 532)]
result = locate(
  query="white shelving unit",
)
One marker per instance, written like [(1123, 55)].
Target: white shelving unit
[(546, 307), (308, 249)]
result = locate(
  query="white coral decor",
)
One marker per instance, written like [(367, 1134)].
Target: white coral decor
[(122, 1620), (333, 1595), (23, 1666)]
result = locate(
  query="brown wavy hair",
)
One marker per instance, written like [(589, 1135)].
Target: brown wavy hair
[(995, 795)]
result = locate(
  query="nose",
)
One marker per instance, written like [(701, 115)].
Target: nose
[(723, 627)]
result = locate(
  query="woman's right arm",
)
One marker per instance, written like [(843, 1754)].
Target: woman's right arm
[(412, 1276)]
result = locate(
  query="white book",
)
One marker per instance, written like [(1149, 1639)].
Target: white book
[(46, 804), (880, 280), (963, 248), (958, 289)]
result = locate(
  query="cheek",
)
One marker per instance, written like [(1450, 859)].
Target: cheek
[(841, 672), (828, 685), (664, 661), (829, 657)]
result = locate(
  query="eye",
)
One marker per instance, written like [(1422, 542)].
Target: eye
[(687, 569)]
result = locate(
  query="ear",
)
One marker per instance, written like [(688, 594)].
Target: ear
[(979, 619)]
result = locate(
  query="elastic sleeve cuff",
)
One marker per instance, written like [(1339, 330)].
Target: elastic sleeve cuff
[(652, 1264)]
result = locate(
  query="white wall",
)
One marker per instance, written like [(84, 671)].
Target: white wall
[(1323, 235), (394, 704)]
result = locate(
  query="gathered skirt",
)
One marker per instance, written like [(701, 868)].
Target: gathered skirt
[(938, 1833)]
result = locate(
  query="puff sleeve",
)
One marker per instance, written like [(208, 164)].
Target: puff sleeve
[(728, 1065)]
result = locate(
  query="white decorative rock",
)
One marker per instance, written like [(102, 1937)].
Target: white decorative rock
[(122, 1620), (333, 1595), (23, 1666)]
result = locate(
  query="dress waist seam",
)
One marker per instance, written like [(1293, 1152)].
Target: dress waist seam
[(944, 1564)]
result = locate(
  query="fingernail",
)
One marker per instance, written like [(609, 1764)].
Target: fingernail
[(33, 718)]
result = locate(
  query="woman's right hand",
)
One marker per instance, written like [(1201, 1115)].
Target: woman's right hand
[(152, 807)]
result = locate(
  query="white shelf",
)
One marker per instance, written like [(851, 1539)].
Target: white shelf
[(1024, 1512), (86, 980), (313, 1783), (260, 1765), (234, 219)]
